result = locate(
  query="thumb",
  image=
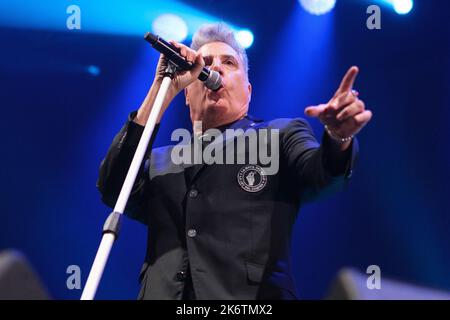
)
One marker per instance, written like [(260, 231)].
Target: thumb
[(315, 111)]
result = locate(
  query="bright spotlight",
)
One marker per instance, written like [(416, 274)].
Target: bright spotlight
[(170, 27), (245, 38), (403, 6), (318, 7)]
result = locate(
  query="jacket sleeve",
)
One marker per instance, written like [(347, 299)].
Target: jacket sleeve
[(319, 168), (115, 165)]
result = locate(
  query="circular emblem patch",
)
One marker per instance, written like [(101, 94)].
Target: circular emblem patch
[(252, 178)]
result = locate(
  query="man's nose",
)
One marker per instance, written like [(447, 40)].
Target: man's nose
[(217, 66)]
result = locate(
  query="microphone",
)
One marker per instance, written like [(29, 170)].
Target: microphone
[(211, 78)]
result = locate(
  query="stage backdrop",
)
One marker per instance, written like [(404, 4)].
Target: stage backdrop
[(64, 94)]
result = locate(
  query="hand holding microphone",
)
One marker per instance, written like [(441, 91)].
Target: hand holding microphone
[(182, 78), (185, 59), (191, 67)]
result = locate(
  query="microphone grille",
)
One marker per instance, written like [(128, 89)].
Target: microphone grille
[(214, 81)]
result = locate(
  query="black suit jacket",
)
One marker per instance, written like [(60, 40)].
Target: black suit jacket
[(236, 242)]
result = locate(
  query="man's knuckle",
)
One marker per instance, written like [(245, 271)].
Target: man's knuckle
[(361, 105)]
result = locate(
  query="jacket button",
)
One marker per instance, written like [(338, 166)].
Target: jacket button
[(180, 276), (192, 233), (193, 193)]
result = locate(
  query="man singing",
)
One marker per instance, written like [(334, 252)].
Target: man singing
[(223, 230)]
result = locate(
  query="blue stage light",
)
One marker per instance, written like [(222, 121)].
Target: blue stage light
[(403, 6), (245, 38), (131, 17), (318, 7), (93, 70), (170, 27)]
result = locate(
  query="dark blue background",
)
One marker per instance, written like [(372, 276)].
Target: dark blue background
[(58, 121)]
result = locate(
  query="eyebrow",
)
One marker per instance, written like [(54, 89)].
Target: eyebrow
[(228, 56)]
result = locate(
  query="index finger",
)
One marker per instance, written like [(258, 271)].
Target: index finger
[(348, 80)]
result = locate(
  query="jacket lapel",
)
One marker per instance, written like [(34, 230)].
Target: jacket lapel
[(193, 171)]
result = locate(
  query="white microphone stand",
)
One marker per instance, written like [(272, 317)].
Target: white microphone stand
[(111, 227)]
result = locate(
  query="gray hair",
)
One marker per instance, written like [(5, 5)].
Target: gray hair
[(219, 32)]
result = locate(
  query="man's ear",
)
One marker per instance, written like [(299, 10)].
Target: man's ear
[(186, 96), (249, 92)]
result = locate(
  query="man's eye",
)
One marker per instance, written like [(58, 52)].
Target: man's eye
[(229, 62)]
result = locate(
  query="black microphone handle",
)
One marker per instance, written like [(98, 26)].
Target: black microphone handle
[(172, 53)]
